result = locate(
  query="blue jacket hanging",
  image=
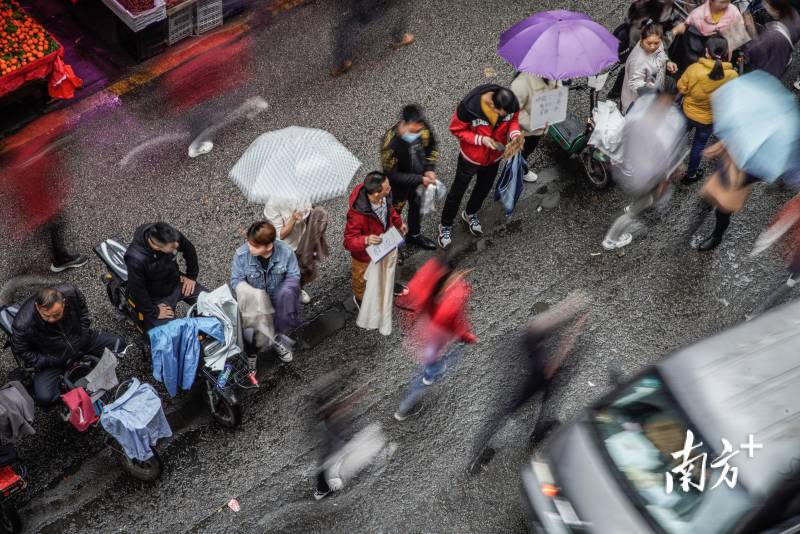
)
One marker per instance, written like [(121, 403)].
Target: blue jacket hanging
[(176, 350), (509, 186)]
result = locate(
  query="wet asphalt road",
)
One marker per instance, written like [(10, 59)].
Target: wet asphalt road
[(655, 296)]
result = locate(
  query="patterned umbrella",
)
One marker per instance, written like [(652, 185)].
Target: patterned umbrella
[(295, 164)]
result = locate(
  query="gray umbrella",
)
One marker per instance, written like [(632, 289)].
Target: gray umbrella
[(295, 164)]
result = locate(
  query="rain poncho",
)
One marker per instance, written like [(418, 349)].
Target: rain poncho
[(221, 305)]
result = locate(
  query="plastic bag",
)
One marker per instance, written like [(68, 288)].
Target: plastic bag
[(430, 195), (509, 186), (608, 126)]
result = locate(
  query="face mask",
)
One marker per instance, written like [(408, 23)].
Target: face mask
[(410, 137)]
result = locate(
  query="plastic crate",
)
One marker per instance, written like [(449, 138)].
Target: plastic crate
[(141, 20), (181, 22), (208, 16)]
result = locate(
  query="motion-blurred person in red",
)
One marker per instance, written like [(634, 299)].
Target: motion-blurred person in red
[(542, 366), (38, 185), (439, 297), (355, 13), (785, 228)]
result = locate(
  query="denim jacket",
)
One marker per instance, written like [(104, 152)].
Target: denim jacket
[(282, 266)]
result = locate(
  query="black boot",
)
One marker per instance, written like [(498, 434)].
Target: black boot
[(710, 243)]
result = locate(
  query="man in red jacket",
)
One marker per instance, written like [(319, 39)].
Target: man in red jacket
[(486, 123), (370, 215)]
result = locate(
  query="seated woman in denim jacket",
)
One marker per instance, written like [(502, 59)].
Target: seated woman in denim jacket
[(269, 264)]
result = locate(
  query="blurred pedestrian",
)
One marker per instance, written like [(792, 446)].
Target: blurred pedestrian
[(542, 367), (646, 66), (785, 227), (37, 183), (343, 457), (360, 13), (439, 298), (525, 87), (725, 191), (268, 264), (370, 215), (771, 50), (653, 141), (409, 154), (155, 282), (697, 84), (486, 123), (302, 227)]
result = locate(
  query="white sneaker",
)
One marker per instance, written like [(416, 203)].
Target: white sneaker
[(444, 236), (473, 224), (624, 240), (304, 297), (530, 177)]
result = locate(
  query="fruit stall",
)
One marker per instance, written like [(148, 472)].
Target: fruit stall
[(29, 55)]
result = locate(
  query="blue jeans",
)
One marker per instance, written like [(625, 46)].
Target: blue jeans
[(701, 134), (433, 372)]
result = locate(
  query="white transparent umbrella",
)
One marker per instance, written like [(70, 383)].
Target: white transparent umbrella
[(295, 164)]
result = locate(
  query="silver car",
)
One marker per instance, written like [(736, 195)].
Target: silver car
[(608, 470)]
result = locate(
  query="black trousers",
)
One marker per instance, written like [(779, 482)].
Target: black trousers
[(414, 218), (172, 300), (531, 142), (46, 390), (533, 384), (484, 180), (355, 13)]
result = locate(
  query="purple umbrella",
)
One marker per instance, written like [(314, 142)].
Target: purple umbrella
[(559, 45)]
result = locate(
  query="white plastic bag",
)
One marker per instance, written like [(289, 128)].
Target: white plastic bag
[(430, 195), (608, 126)]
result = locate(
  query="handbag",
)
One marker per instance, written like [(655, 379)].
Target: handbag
[(728, 197)]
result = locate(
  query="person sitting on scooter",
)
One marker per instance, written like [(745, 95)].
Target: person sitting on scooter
[(52, 328), (270, 265), (155, 283)]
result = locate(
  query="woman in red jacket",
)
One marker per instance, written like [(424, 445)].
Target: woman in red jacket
[(485, 122), (438, 296), (370, 215)]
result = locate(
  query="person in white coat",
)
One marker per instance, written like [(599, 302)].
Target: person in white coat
[(289, 220), (526, 86), (646, 66)]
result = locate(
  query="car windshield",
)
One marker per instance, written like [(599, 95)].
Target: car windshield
[(641, 428)]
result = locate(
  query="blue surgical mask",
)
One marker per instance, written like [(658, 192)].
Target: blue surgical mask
[(410, 137)]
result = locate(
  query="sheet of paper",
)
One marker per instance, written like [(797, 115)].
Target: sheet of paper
[(548, 107), (391, 240), (597, 82), (736, 35)]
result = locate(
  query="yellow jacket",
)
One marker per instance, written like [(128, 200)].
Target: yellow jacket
[(697, 88)]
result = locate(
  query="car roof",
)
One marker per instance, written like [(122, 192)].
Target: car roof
[(746, 380)]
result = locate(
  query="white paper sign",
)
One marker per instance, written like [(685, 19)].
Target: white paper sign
[(548, 107), (391, 239)]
